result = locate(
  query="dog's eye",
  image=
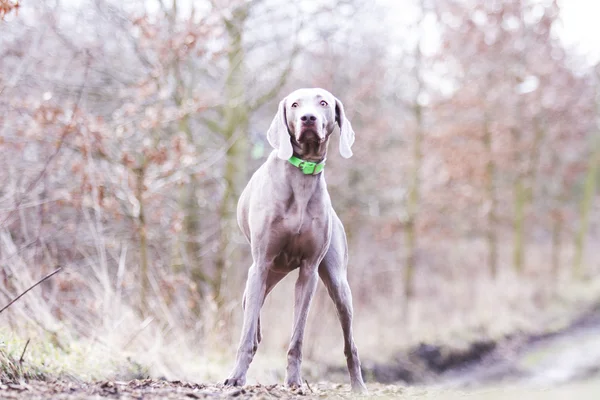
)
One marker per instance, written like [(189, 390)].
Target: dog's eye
[(294, 105), (324, 103)]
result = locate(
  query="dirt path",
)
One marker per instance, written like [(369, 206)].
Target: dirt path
[(560, 358), (561, 365), (151, 389)]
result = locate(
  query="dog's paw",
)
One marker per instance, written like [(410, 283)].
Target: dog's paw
[(359, 387), (293, 382), (235, 381)]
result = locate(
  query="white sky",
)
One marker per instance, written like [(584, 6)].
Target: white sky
[(581, 27), (579, 31)]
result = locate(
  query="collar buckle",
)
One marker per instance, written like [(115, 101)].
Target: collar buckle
[(307, 167)]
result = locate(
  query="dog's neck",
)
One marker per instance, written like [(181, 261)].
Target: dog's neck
[(310, 151)]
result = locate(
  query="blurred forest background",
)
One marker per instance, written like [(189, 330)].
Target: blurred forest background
[(129, 128)]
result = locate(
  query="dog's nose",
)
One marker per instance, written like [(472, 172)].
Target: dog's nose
[(308, 119)]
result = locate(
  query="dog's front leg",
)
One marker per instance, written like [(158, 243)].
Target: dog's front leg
[(305, 290), (256, 287)]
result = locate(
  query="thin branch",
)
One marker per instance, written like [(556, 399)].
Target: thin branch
[(67, 130), (307, 385), (281, 81), (212, 125), (143, 326), (50, 275), (24, 350), (125, 24)]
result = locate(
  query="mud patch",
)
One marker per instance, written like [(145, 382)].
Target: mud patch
[(426, 362), (564, 355), (439, 359)]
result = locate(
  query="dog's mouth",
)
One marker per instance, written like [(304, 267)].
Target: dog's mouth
[(310, 136)]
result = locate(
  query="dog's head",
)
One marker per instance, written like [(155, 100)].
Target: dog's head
[(304, 121)]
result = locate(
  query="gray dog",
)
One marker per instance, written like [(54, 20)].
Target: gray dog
[(286, 215)]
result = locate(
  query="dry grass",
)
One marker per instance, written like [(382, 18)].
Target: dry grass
[(92, 331)]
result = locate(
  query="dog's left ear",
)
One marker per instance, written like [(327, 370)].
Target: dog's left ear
[(346, 131), (278, 135)]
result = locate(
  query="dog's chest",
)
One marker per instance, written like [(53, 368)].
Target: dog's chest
[(301, 215), (304, 232)]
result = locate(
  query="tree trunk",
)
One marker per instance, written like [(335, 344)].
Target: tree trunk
[(412, 206), (519, 192), (519, 224), (143, 238), (557, 227), (187, 249), (517, 131), (524, 185), (190, 234), (586, 206), (491, 237), (559, 198), (234, 132)]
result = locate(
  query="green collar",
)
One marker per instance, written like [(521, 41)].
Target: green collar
[(307, 167)]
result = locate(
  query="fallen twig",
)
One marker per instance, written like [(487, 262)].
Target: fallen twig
[(24, 350), (309, 388), (34, 285)]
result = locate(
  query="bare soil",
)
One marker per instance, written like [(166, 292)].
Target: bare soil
[(547, 366), (150, 389)]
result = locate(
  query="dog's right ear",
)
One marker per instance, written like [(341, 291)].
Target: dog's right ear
[(278, 135)]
